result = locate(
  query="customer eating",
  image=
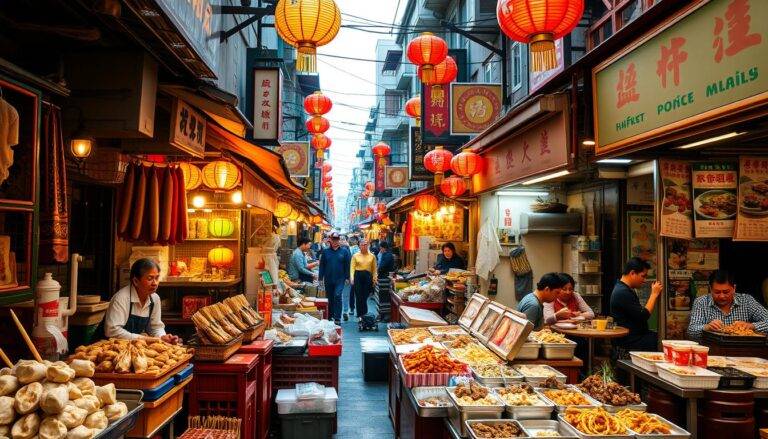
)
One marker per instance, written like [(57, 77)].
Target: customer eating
[(627, 311), (568, 304), (725, 310), (547, 290)]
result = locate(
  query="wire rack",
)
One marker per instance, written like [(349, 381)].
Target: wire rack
[(198, 247)]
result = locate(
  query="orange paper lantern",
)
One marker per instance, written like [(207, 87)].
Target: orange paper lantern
[(193, 177), (327, 167), (221, 175), (444, 73), (221, 257), (317, 125), (466, 164), (381, 207), (539, 24), (427, 203), (453, 186), (427, 50), (317, 104), (306, 25), (369, 187), (438, 160), (381, 149), (413, 108)]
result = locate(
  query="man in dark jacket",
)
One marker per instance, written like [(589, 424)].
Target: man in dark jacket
[(627, 311), (385, 261), (334, 272)]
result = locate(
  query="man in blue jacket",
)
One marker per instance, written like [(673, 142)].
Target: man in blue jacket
[(334, 272)]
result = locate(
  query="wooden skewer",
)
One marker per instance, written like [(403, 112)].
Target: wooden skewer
[(24, 334), (5, 359)]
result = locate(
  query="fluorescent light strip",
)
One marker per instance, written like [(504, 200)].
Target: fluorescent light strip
[(711, 140), (522, 194), (546, 177), (616, 161)]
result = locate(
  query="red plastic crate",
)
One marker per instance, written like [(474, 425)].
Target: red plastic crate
[(289, 370), (333, 350), (264, 386)]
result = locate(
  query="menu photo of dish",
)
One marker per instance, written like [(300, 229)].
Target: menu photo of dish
[(492, 319), (679, 294), (752, 218), (512, 331), (476, 302), (677, 205), (715, 199), (481, 316)]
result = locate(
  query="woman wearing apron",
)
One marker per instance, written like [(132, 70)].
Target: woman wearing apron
[(134, 311), (362, 272)]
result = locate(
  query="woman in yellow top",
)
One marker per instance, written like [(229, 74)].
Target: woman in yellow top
[(362, 272)]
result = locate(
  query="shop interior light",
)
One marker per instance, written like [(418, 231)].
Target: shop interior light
[(711, 140), (237, 197), (546, 177), (522, 193), (207, 210), (588, 142), (198, 201), (615, 161)]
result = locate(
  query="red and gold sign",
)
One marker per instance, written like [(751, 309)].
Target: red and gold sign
[(474, 107), (445, 225), (296, 156), (396, 177)]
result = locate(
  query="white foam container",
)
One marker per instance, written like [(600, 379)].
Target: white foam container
[(644, 363), (288, 404), (703, 378)]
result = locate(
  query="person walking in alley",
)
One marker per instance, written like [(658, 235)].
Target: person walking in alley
[(362, 272), (334, 272), (348, 295)]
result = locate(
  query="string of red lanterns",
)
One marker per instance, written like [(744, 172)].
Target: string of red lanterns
[(427, 51)]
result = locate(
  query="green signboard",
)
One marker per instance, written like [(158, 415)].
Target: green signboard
[(711, 61)]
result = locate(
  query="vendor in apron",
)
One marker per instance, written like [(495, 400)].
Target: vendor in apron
[(134, 311)]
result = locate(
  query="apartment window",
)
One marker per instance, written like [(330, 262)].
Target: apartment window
[(517, 65), (392, 103), (488, 70)]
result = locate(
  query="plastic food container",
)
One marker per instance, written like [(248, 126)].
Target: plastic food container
[(559, 351), (700, 355), (645, 363), (542, 410), (529, 351), (761, 382), (667, 346), (682, 355), (419, 393), (472, 435), (536, 427), (702, 378), (288, 403)]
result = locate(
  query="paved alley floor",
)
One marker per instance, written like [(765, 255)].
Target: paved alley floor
[(362, 407)]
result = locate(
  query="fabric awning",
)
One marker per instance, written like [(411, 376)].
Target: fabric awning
[(218, 104), (264, 161)]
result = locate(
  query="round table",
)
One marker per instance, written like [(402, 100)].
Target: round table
[(591, 334)]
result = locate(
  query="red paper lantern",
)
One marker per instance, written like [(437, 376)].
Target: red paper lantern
[(445, 73), (368, 211), (427, 50), (317, 104), (438, 160), (413, 108), (453, 186), (317, 125), (539, 24), (427, 203), (381, 207), (327, 178), (321, 142), (327, 167), (369, 187), (381, 149), (466, 164)]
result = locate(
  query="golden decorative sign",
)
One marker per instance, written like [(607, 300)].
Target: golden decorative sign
[(711, 61), (296, 156), (474, 107), (396, 177)]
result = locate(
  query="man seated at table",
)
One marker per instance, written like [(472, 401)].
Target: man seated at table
[(547, 290), (627, 311), (723, 306)]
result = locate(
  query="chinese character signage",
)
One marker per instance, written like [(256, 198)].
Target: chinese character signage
[(447, 226), (714, 199), (710, 62), (677, 205), (436, 116), (537, 79), (474, 107), (539, 149), (416, 154), (199, 24), (379, 176), (752, 220), (267, 103), (396, 177), (296, 156), (187, 129)]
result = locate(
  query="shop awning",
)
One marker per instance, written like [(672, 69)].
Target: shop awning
[(218, 104), (263, 160)]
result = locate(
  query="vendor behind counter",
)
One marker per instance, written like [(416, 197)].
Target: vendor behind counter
[(449, 259)]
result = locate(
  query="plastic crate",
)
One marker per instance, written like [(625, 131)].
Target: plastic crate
[(156, 393), (157, 413), (227, 389), (184, 374), (289, 370), (333, 350), (264, 384), (307, 426)]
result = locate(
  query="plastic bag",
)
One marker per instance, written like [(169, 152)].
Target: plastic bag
[(310, 391)]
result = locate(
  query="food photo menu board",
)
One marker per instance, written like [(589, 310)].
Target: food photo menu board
[(714, 199), (752, 217)]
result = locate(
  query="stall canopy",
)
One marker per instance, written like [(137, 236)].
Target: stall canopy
[(218, 104)]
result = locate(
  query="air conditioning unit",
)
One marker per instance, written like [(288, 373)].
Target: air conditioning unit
[(554, 223)]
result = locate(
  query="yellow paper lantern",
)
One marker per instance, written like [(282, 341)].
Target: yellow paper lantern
[(307, 25), (221, 257), (221, 227), (294, 215), (221, 175), (283, 209), (193, 177)]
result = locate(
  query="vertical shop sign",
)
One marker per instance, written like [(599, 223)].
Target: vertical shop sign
[(396, 177), (474, 107), (187, 129), (197, 22), (379, 176), (267, 103), (436, 116), (677, 206), (641, 239), (296, 156), (715, 199), (752, 219), (416, 152)]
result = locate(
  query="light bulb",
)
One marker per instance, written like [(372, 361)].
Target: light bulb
[(237, 197), (198, 201)]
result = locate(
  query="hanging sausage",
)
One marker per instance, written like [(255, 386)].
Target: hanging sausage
[(166, 208), (126, 198), (139, 201)]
